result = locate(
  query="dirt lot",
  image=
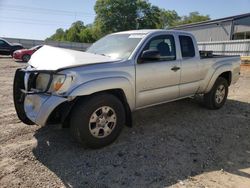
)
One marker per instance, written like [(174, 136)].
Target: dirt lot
[(180, 144)]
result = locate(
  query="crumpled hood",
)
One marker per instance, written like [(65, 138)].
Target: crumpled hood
[(53, 58)]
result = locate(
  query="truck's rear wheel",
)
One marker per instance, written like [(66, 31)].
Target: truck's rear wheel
[(97, 121), (217, 97)]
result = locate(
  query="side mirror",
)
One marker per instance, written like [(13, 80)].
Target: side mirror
[(148, 55)]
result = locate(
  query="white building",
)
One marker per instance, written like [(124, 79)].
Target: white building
[(224, 29)]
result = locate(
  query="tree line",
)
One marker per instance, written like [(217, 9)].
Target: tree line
[(120, 15)]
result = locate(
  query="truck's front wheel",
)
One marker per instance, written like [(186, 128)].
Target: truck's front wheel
[(97, 120), (217, 97)]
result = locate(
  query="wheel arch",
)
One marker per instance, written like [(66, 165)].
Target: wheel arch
[(224, 72), (90, 89), (121, 84), (63, 112), (119, 93), (118, 86), (228, 76)]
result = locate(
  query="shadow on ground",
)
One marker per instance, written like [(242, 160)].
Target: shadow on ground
[(167, 143)]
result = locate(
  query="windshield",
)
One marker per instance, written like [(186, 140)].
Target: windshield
[(117, 46), (5, 41)]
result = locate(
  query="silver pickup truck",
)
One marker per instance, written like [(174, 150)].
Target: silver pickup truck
[(94, 92)]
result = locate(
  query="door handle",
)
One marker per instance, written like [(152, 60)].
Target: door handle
[(175, 68)]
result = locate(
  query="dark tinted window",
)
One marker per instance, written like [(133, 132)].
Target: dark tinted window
[(187, 46), (3, 43), (165, 45)]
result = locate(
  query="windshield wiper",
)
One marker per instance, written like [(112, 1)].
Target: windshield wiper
[(105, 55), (102, 54)]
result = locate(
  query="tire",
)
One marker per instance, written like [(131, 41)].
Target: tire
[(89, 111), (26, 57), (217, 97)]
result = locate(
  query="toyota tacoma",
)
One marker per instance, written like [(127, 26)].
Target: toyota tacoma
[(95, 92)]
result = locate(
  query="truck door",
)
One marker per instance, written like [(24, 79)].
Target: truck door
[(190, 66), (157, 80)]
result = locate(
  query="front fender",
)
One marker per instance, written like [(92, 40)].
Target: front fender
[(218, 71), (103, 84)]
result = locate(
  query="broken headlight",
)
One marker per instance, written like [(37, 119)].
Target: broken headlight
[(53, 83), (42, 82)]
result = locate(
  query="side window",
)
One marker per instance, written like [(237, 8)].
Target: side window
[(3, 43), (165, 45), (187, 46)]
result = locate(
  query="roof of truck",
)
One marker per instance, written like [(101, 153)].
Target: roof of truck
[(147, 31)]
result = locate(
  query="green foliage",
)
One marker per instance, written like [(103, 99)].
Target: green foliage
[(193, 17), (168, 18), (58, 36), (86, 35), (148, 16), (120, 15), (116, 15), (73, 33)]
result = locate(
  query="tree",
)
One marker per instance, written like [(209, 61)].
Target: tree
[(193, 17), (120, 15), (168, 18), (148, 16), (73, 33), (87, 35), (76, 33), (58, 36), (116, 15)]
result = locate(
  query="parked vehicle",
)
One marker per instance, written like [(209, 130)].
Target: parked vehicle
[(7, 48), (25, 54), (94, 92)]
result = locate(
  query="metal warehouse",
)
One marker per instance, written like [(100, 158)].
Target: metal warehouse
[(224, 29)]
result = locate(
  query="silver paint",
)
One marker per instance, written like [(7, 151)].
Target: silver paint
[(143, 85)]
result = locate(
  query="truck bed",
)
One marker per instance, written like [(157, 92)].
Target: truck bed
[(209, 54)]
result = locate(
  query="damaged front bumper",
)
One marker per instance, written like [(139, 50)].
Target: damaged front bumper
[(33, 106), (39, 107)]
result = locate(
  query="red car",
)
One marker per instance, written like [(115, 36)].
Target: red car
[(25, 54)]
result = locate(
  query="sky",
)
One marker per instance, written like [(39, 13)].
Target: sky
[(39, 19)]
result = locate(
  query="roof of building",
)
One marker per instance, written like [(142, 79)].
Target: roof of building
[(230, 18)]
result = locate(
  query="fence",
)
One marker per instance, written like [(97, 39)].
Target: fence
[(233, 47), (27, 43)]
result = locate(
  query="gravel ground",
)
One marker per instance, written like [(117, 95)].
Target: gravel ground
[(179, 144)]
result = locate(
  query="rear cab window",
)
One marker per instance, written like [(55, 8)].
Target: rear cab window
[(187, 46)]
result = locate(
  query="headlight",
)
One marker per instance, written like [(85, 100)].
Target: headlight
[(53, 83), (57, 82), (42, 82), (60, 83)]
